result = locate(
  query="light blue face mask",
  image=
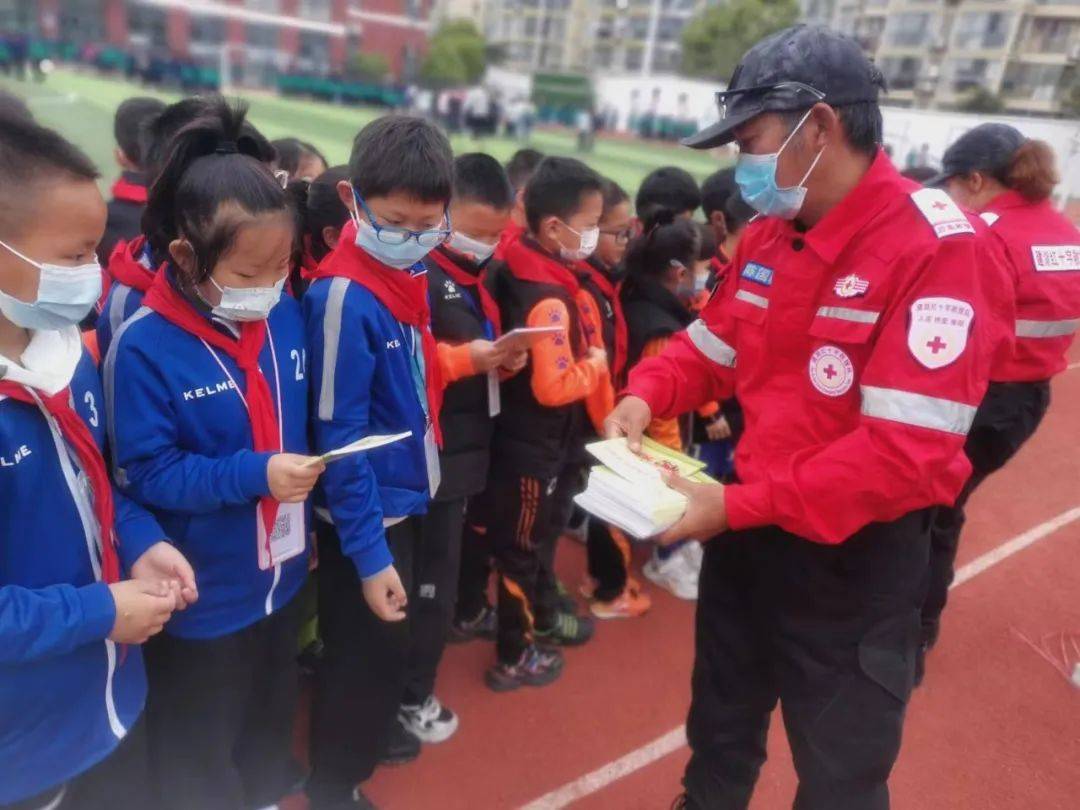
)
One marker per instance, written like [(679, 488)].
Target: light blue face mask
[(396, 247), (756, 178), (65, 296)]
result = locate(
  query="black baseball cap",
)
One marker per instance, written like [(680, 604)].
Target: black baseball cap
[(792, 70), (988, 148)]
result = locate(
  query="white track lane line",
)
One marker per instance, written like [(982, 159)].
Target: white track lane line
[(675, 739)]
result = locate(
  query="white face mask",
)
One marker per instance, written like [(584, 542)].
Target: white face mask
[(244, 304), (476, 250), (65, 295), (590, 237)]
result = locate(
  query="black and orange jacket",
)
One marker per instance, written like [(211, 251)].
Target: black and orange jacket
[(543, 408)]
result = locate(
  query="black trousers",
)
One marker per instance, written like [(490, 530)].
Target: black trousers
[(475, 569), (608, 552), (527, 517), (122, 779), (361, 679), (1007, 417), (220, 715), (431, 602), (829, 631)]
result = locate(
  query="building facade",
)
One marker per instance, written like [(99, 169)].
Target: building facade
[(605, 36), (251, 40), (936, 53)]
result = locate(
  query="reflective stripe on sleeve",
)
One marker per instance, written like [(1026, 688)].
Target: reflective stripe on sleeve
[(752, 298), (849, 314), (710, 345), (1047, 329), (918, 410)]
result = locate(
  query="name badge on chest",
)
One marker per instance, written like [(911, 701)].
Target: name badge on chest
[(431, 457), (288, 538)]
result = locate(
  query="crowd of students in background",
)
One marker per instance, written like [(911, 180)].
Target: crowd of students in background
[(258, 309)]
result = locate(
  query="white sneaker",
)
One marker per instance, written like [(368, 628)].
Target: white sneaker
[(676, 574), (430, 722), (694, 553)]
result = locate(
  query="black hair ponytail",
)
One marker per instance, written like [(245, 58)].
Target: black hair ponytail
[(667, 240), (214, 161), (318, 206)]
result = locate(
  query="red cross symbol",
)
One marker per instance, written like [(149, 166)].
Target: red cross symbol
[(940, 206), (830, 371), (936, 345)]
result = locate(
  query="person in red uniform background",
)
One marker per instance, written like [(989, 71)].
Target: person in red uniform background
[(857, 333), (1007, 178)]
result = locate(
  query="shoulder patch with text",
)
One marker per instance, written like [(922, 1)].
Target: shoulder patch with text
[(944, 216), (938, 332)]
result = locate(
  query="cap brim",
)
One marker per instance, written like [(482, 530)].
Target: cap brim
[(939, 180), (720, 133)]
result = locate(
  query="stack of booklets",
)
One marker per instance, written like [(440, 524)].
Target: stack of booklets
[(626, 489)]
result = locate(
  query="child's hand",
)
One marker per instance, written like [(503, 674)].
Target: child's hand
[(142, 608), (292, 476), (163, 562), (718, 429), (515, 361), (486, 355), (597, 355), (385, 595)]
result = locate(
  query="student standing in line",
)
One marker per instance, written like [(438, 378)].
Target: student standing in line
[(1008, 179), (654, 294), (534, 473), (375, 370), (322, 216), (130, 189), (72, 684), (519, 169), (465, 321), (207, 394), (669, 188)]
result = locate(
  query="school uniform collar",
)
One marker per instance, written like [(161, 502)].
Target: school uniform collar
[(49, 362), (1008, 200), (876, 190)]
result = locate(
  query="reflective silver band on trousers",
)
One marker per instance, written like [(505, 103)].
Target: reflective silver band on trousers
[(918, 410), (710, 345)]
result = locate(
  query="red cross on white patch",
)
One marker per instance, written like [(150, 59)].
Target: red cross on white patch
[(939, 330)]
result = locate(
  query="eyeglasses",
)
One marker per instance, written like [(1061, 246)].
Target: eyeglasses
[(393, 235), (621, 236)]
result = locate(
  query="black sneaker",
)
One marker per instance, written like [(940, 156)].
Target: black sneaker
[(483, 626), (565, 600), (569, 630), (400, 747), (536, 667)]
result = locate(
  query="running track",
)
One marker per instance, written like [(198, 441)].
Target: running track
[(994, 727)]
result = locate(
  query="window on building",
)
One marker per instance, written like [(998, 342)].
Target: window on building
[(635, 58), (967, 74), (269, 6), (530, 26), (314, 51), (901, 73), (1049, 35), (315, 10), (638, 27), (603, 57), (1037, 82), (909, 29), (669, 29), (978, 30), (206, 31), (81, 21), (147, 26), (262, 36), (414, 9)]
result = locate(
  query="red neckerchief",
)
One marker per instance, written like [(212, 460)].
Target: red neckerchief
[(127, 191), (125, 267), (612, 292), (464, 278), (529, 262), (405, 295), (81, 440), (266, 435), (308, 263), (511, 233)]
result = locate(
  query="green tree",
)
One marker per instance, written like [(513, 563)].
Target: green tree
[(371, 67), (981, 100), (714, 41), (457, 54)]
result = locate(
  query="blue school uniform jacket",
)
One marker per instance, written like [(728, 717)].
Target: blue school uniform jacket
[(121, 303), (363, 384), (182, 447), (67, 694)]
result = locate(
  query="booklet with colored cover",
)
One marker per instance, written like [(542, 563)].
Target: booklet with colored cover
[(627, 489)]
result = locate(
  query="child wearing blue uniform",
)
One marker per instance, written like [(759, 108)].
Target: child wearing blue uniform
[(206, 388), (375, 370), (72, 684)]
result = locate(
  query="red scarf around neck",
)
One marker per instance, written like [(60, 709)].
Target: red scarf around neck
[(511, 233), (125, 267), (611, 291), (405, 295), (464, 278), (81, 440), (529, 262), (265, 432), (127, 191)]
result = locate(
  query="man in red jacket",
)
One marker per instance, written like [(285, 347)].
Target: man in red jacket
[(857, 328)]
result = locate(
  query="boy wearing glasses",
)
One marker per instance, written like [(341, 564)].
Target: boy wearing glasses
[(375, 371)]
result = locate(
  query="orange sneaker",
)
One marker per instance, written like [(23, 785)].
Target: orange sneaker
[(627, 605)]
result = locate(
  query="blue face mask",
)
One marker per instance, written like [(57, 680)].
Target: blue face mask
[(373, 239), (65, 296), (756, 178)]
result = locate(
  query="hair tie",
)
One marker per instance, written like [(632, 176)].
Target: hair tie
[(226, 148)]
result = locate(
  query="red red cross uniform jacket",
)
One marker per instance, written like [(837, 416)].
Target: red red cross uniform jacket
[(859, 350), (1044, 253)]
